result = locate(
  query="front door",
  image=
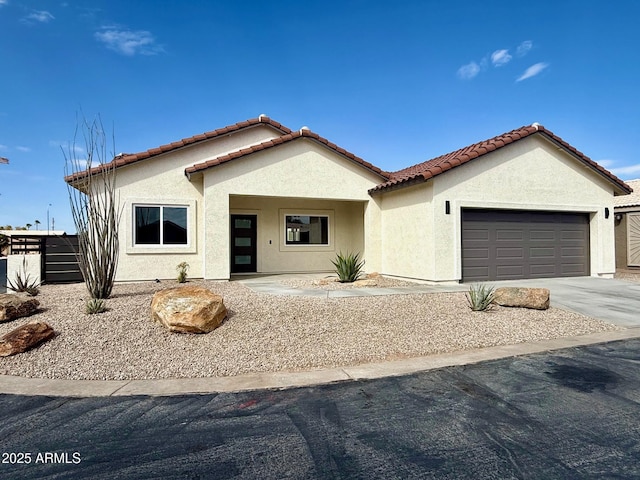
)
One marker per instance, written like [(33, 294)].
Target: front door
[(243, 243)]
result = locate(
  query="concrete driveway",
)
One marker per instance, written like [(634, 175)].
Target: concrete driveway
[(614, 301)]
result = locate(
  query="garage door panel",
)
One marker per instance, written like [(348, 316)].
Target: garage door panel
[(517, 252), (544, 270), (502, 234), (510, 271), (542, 235), (542, 252), (523, 244), (477, 234)]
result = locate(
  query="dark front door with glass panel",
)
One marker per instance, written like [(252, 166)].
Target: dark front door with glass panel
[(243, 243)]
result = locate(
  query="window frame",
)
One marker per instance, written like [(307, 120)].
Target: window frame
[(326, 215), (161, 244)]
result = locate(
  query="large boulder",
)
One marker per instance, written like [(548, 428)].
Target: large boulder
[(25, 337), (14, 305), (537, 298), (188, 309)]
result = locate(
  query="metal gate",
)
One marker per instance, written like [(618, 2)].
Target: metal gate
[(59, 262)]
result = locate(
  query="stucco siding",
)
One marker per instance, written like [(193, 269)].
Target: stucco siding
[(346, 232), (621, 242), (297, 170), (532, 174), (407, 232)]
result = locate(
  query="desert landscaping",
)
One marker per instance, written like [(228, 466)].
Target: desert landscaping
[(267, 333)]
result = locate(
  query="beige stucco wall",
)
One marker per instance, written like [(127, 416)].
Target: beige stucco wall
[(621, 242), (298, 170), (407, 232), (531, 174), (161, 181), (346, 232), (27, 266)]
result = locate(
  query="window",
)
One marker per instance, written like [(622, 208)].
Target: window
[(306, 230), (160, 225)]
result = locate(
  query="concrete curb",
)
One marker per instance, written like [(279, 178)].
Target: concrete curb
[(283, 380)]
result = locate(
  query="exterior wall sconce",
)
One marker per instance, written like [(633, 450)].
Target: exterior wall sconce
[(606, 213), (447, 207)]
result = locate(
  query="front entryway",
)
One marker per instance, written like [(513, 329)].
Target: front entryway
[(244, 230)]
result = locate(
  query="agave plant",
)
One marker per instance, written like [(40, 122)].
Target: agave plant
[(95, 305), (23, 282), (348, 267), (480, 297)]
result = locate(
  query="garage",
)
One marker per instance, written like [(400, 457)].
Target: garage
[(519, 244)]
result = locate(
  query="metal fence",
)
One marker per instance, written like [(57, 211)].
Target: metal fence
[(58, 256)]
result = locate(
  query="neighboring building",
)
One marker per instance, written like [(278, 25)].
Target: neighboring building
[(627, 227), (258, 197)]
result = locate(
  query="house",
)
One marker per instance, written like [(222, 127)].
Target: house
[(259, 197), (627, 227)]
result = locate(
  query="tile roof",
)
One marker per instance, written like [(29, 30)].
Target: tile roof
[(128, 158), (630, 200), (429, 169), (302, 133)]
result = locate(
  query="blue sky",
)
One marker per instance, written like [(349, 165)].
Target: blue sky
[(395, 83)]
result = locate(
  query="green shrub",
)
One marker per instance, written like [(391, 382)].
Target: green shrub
[(182, 272), (348, 267), (23, 282), (480, 297), (95, 305)]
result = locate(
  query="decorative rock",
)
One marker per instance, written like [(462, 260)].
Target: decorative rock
[(13, 305), (188, 309), (367, 282), (537, 298), (25, 337), (327, 281), (373, 275)]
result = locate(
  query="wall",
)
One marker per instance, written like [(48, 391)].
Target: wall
[(301, 169), (346, 232), (407, 232), (161, 181), (28, 271), (621, 242), (531, 174)]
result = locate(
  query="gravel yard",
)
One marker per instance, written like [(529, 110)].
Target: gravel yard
[(265, 333)]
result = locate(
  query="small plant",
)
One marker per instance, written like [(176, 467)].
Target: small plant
[(182, 272), (348, 267), (95, 305), (480, 297), (23, 282)]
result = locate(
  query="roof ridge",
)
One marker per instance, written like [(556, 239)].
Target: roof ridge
[(302, 133), (437, 165), (128, 158)]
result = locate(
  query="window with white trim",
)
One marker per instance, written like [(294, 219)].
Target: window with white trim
[(306, 229), (160, 225)]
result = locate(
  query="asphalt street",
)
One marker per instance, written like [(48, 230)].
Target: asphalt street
[(573, 413)]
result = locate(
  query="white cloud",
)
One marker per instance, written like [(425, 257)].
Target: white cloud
[(65, 146), (41, 16), (626, 171), (128, 42), (524, 48), (606, 163), (468, 71), (20, 148), (500, 58), (3, 2), (532, 71), (3, 147)]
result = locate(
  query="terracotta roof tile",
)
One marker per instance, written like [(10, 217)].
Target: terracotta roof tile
[(630, 200), (429, 169), (126, 159), (198, 167)]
